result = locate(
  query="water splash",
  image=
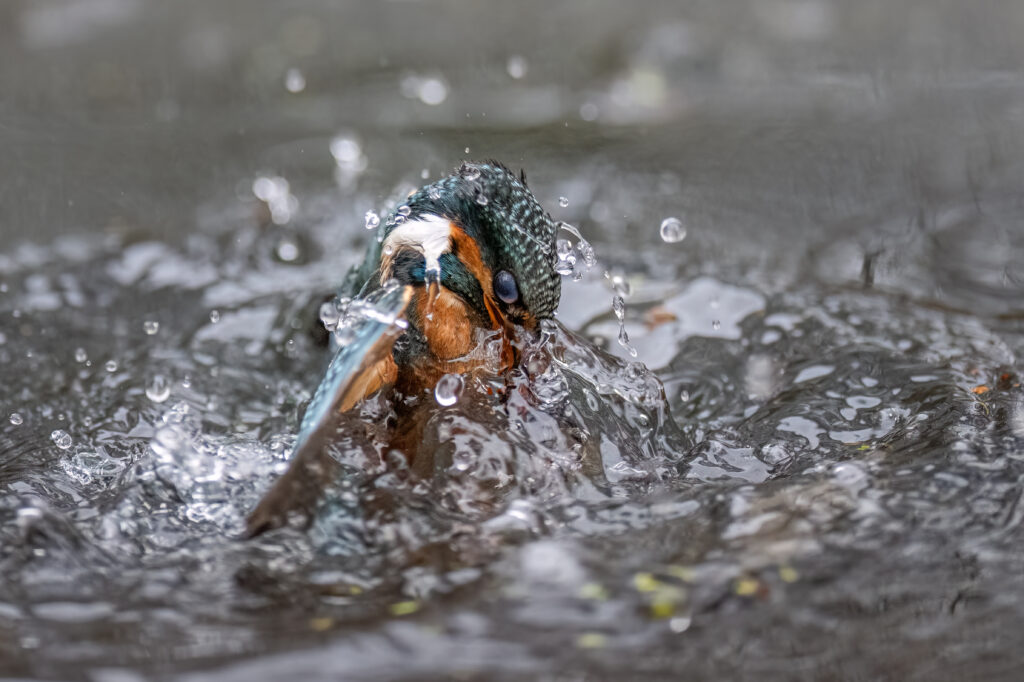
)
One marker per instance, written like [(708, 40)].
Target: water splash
[(448, 389)]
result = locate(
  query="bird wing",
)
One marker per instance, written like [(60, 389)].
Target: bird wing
[(358, 369)]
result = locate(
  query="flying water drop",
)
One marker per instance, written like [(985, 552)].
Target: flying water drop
[(61, 438), (672, 230), (159, 389), (372, 220), (150, 327), (563, 201), (294, 81), (517, 66), (15, 419)]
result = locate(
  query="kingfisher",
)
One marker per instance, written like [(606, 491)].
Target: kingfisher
[(467, 260)]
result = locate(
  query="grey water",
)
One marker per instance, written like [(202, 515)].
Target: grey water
[(812, 468)]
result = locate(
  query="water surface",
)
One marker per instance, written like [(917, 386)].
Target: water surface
[(829, 488)]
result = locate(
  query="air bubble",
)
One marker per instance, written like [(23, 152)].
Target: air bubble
[(111, 365), (563, 201), (448, 389), (372, 220), (61, 439), (16, 419), (672, 230), (81, 355), (149, 326), (159, 389)]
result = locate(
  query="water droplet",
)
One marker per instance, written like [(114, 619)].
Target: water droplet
[(517, 66), (481, 199), (685, 396), (346, 151), (624, 341), (716, 324), (111, 365), (620, 285), (16, 419), (294, 81), (619, 308), (389, 249), (214, 316), (589, 111), (372, 220), (287, 250), (61, 439), (81, 355), (467, 150), (330, 315), (432, 91), (275, 192), (448, 389), (159, 389), (425, 173), (672, 230), (469, 171), (149, 326), (563, 201), (403, 211)]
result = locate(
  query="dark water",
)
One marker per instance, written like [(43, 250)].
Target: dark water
[(835, 492)]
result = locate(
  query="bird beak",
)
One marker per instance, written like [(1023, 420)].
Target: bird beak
[(359, 368)]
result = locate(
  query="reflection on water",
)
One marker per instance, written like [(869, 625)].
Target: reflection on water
[(807, 222)]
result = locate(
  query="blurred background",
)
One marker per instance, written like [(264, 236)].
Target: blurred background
[(805, 121), (812, 209)]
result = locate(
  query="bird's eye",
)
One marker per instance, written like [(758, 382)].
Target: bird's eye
[(505, 287)]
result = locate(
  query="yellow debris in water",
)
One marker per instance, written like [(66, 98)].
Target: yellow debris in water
[(746, 587), (404, 608), (320, 624), (645, 582), (591, 640), (595, 591), (663, 608), (684, 573), (788, 574)]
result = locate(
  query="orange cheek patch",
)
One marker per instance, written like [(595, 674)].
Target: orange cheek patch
[(446, 324)]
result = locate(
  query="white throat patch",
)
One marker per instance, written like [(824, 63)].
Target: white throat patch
[(428, 234)]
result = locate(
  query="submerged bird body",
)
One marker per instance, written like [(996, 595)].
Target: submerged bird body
[(459, 274)]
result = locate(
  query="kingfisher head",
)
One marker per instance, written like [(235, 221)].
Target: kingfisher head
[(480, 253)]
